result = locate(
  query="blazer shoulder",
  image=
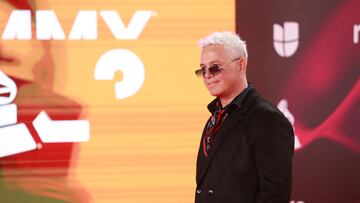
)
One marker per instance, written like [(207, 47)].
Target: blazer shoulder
[(262, 109)]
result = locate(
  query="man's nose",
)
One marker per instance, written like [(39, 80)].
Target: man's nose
[(207, 74)]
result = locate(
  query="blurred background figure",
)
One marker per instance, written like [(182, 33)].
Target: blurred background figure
[(45, 174)]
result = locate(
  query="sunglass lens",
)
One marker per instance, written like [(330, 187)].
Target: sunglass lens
[(199, 72), (214, 69)]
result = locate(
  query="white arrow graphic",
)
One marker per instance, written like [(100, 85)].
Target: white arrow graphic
[(61, 131), (15, 139)]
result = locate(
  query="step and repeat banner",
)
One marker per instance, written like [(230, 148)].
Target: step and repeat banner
[(305, 57), (99, 101)]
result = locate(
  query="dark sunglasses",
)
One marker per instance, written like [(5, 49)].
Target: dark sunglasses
[(213, 70)]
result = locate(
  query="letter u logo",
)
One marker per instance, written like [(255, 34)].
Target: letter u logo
[(286, 39)]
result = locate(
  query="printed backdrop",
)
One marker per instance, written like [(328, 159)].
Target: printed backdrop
[(304, 56), (99, 101), (142, 148)]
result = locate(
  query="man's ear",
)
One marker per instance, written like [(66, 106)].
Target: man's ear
[(242, 65)]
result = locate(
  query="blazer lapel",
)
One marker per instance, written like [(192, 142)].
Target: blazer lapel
[(228, 124), (234, 117)]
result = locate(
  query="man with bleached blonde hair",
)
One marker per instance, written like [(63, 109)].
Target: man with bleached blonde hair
[(246, 148)]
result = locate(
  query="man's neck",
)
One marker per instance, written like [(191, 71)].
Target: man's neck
[(226, 100)]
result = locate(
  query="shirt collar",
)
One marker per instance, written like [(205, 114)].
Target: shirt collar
[(215, 105)]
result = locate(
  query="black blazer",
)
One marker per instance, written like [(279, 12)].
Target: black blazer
[(251, 159)]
